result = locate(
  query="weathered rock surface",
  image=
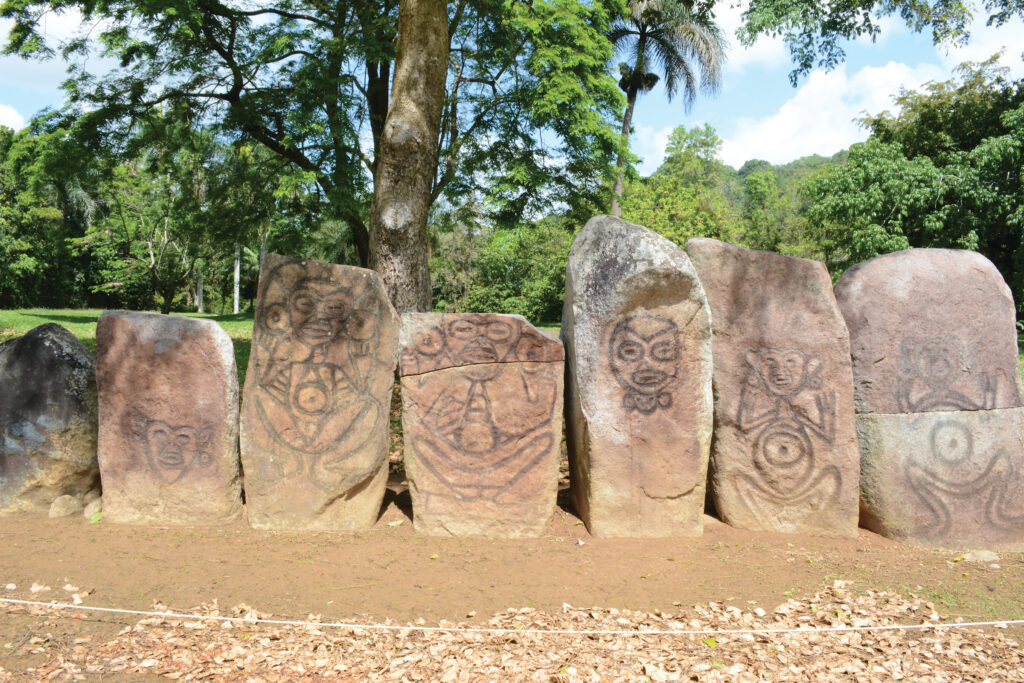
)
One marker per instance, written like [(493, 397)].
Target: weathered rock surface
[(65, 506), (314, 425), (934, 345), (952, 479), (168, 392), (930, 330), (785, 455), (93, 508), (482, 423), (47, 419), (637, 338)]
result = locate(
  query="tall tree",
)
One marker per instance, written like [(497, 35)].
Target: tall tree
[(527, 100), (408, 158), (675, 37)]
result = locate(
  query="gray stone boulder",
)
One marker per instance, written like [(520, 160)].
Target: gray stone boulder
[(482, 423), (637, 337), (47, 419), (315, 410), (785, 455), (168, 437), (938, 397), (930, 330)]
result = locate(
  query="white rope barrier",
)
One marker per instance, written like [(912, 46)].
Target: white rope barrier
[(510, 631)]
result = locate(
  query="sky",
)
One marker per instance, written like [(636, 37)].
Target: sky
[(758, 114)]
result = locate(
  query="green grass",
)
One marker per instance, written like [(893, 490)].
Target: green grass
[(82, 324)]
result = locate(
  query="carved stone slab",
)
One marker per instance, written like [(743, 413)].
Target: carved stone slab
[(168, 423), (930, 330), (785, 454), (482, 420), (314, 425), (637, 337), (953, 479), (47, 419)]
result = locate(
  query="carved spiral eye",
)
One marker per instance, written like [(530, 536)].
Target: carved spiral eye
[(665, 351), (275, 318), (428, 342), (630, 351)]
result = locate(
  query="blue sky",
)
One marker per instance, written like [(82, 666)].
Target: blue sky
[(758, 114)]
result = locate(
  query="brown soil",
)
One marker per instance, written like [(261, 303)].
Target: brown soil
[(390, 572)]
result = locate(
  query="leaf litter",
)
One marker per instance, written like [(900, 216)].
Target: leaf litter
[(206, 650)]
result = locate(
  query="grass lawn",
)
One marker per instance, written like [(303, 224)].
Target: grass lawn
[(82, 324)]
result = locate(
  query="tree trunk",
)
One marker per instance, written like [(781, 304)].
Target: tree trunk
[(263, 245), (408, 155), (238, 268), (620, 164), (199, 290)]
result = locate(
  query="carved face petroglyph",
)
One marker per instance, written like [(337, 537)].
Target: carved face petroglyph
[(479, 340), (937, 362), (784, 371), (173, 450), (645, 356), (317, 311)]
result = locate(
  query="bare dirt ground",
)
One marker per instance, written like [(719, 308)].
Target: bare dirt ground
[(389, 573)]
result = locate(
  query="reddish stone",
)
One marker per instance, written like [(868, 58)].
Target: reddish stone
[(785, 455), (931, 330), (638, 386), (314, 425), (168, 420), (482, 401)]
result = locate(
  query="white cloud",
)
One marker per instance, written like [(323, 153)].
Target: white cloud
[(766, 53), (985, 42), (819, 118), (649, 144), (10, 117)]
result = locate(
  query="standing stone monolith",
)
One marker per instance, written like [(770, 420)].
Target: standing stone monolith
[(168, 424), (938, 397), (482, 423), (636, 329), (47, 419), (314, 425), (785, 455)]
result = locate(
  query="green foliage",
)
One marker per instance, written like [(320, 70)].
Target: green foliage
[(684, 197), (519, 270), (527, 119), (679, 39), (930, 177), (45, 201), (814, 30)]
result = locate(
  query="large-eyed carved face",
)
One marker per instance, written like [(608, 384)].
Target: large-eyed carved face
[(480, 339), (937, 362), (645, 353), (173, 450), (783, 371), (317, 311)]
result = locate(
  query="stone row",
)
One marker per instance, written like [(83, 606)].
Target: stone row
[(713, 372)]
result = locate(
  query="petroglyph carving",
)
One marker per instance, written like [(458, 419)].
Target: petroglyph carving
[(782, 406), (315, 344), (172, 451), (644, 353), (488, 424), (953, 474), (936, 375)]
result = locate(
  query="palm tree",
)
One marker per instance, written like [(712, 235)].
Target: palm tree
[(687, 46)]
